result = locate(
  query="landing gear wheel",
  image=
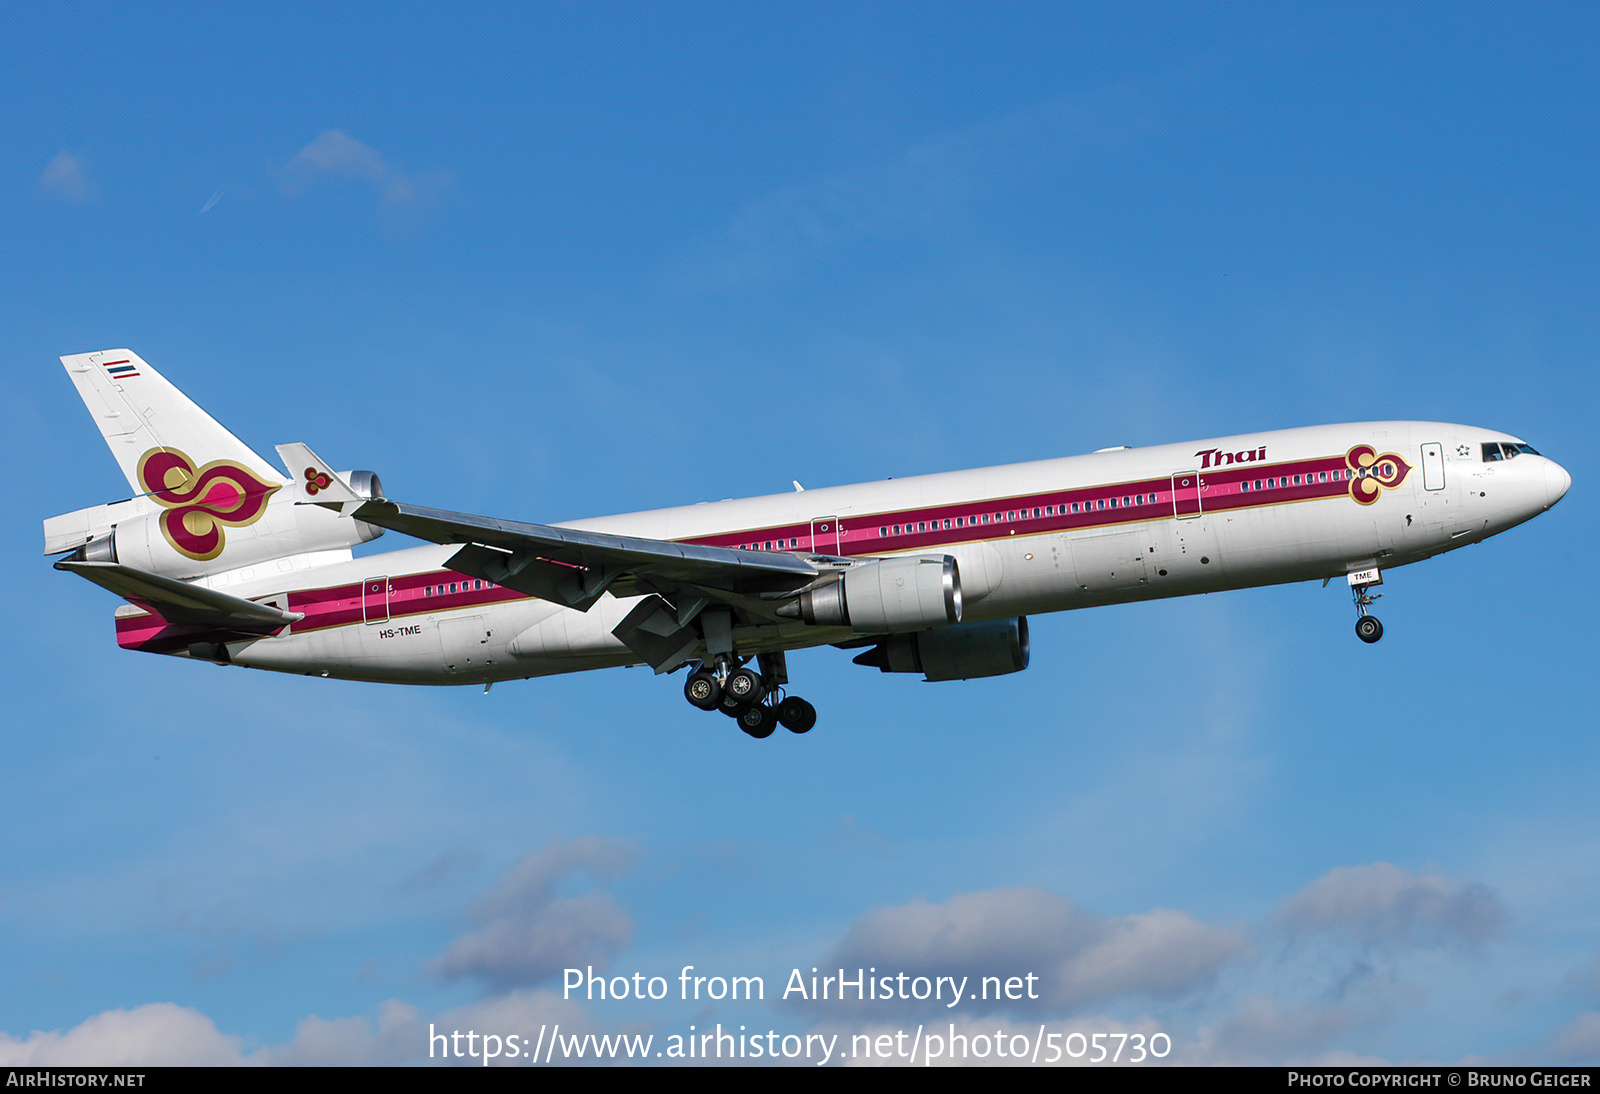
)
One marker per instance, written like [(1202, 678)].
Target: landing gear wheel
[(797, 715), (1368, 629), (758, 721), (743, 686), (703, 691)]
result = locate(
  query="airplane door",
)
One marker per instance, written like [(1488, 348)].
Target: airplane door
[(1433, 466), (825, 536), (375, 600), (1186, 494)]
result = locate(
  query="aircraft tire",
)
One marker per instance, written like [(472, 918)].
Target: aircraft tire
[(758, 721), (743, 685), (703, 691), (1368, 629), (796, 715)]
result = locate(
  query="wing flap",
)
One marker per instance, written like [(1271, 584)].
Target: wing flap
[(575, 567), (180, 602)]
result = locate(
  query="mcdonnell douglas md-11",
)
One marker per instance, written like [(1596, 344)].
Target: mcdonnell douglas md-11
[(222, 558)]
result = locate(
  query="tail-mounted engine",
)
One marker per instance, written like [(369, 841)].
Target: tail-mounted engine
[(235, 521)]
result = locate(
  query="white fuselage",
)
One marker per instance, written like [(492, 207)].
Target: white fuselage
[(1103, 528)]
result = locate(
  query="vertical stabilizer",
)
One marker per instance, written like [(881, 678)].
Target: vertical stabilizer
[(138, 412)]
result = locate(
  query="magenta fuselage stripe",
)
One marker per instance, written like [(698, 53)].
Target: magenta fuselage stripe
[(331, 606), (1220, 489)]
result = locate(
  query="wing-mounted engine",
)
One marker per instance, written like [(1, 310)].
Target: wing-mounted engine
[(216, 519), (886, 594), (965, 652)]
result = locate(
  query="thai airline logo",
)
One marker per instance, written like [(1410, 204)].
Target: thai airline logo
[(1371, 474), (199, 503), (1215, 457), (317, 481)]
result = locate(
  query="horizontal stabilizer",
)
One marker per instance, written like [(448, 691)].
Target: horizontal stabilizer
[(183, 603)]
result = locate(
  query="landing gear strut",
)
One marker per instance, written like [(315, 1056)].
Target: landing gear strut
[(1368, 628)]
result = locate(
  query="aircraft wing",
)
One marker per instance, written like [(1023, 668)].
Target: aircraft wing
[(180, 602), (575, 568)]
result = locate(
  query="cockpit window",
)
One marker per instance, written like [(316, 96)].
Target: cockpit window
[(1505, 450)]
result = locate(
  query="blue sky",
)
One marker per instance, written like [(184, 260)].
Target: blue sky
[(577, 259)]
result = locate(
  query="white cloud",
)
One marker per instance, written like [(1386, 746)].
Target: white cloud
[(334, 153), (1077, 957), (1163, 953), (1382, 903), (167, 1035), (64, 178), (403, 1035), (153, 1035), (530, 934)]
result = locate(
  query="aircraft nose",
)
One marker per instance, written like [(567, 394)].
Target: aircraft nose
[(1556, 482)]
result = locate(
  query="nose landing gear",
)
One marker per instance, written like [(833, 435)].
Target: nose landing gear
[(1368, 628)]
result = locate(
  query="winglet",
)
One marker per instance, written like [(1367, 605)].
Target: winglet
[(315, 482)]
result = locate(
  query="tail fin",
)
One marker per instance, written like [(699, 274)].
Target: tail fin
[(204, 502), (139, 412)]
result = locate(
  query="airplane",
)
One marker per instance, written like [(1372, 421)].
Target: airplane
[(222, 558)]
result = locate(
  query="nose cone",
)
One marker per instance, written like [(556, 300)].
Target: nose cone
[(1556, 482)]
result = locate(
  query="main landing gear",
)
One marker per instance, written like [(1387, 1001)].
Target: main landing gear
[(754, 699)]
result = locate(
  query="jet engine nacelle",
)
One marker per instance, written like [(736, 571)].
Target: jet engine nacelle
[(215, 534), (965, 652), (889, 594)]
